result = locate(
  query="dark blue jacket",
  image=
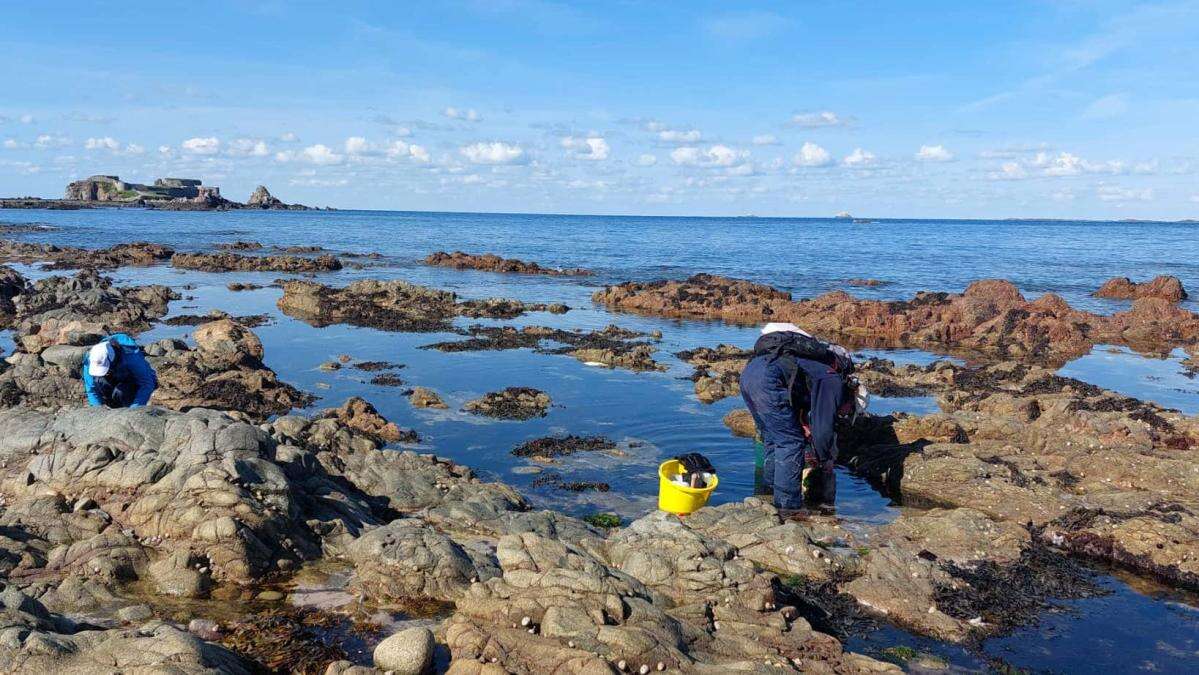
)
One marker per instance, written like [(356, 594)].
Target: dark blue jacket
[(129, 369), (825, 392), (816, 389)]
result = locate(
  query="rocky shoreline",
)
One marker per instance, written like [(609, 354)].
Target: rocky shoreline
[(990, 319), (121, 531)]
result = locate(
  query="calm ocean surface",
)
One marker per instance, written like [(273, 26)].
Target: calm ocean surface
[(655, 415)]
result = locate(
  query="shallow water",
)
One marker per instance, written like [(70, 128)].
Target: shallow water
[(654, 416), (1165, 381)]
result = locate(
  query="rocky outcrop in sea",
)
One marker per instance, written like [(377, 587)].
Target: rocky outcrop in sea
[(991, 318)]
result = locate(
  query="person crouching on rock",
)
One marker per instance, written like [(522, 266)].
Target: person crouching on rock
[(795, 387), (116, 374)]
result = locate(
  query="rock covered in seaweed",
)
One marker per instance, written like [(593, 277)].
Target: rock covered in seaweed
[(493, 263), (390, 305), (511, 403), (990, 317), (1122, 288), (233, 262), (136, 254)]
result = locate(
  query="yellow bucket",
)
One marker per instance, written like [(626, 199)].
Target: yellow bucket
[(679, 499)]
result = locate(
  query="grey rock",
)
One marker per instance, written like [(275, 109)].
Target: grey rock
[(408, 652)]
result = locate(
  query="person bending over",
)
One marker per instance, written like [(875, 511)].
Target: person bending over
[(795, 387), (116, 374)]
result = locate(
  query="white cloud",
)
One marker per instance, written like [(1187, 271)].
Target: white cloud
[(112, 145), (859, 157), (1067, 164), (51, 141), (592, 147), (400, 149), (1009, 171), (716, 155), (248, 147), (677, 136), (744, 169), (825, 118), (1195, 199), (288, 137), (934, 153), (11, 144), (320, 154), (495, 152), (357, 146), (468, 114), (105, 143), (166, 151), (765, 139), (320, 182), (813, 155), (27, 119), (646, 160), (1115, 193), (419, 153), (201, 146)]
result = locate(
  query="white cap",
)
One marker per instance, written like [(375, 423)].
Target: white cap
[(783, 328), (99, 359)]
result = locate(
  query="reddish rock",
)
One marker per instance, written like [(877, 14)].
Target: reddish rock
[(359, 415), (490, 262), (232, 262), (991, 317), (1122, 288)]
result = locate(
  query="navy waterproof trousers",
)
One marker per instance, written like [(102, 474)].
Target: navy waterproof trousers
[(767, 393)]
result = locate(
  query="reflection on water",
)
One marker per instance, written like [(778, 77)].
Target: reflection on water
[(1164, 381), (1123, 631)]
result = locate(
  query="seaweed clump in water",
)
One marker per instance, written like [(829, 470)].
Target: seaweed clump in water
[(288, 640), (1012, 595), (560, 446)]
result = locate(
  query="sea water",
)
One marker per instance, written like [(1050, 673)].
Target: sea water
[(655, 416)]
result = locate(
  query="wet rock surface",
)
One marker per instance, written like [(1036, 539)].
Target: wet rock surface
[(359, 415), (1122, 288), (493, 263), (233, 262), (249, 321), (423, 397), (991, 317), (717, 371), (78, 310), (1093, 471), (138, 254), (390, 305), (511, 403), (223, 372), (612, 347)]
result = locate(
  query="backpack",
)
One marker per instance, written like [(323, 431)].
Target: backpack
[(786, 346)]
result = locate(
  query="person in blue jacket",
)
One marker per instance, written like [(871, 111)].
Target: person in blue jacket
[(116, 374), (795, 387)]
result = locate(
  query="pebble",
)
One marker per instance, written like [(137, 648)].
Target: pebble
[(205, 629), (269, 596)]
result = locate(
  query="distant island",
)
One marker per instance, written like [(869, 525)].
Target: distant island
[(173, 194)]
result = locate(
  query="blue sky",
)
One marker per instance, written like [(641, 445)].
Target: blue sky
[(934, 109)]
